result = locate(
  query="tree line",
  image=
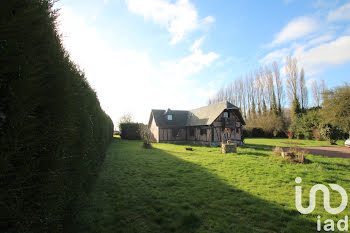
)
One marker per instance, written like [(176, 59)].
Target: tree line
[(275, 107), (53, 131)]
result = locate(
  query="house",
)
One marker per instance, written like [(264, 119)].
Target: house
[(209, 125)]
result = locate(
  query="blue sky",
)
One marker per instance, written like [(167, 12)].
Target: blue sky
[(144, 54)]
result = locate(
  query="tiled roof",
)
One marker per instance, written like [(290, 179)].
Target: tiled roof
[(199, 116)]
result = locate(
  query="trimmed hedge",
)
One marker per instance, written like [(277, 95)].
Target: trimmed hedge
[(53, 131), (130, 131), (254, 132)]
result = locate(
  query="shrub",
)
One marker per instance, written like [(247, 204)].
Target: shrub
[(53, 132), (277, 151), (299, 158), (253, 132), (280, 134), (146, 136), (268, 134), (336, 107), (305, 124), (130, 131), (269, 122), (257, 132), (295, 155), (247, 133), (332, 134), (297, 126), (290, 135), (316, 134)]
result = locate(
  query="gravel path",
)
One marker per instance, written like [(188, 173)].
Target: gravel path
[(336, 151), (339, 151)]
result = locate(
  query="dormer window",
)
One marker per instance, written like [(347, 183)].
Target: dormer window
[(170, 117), (225, 114)]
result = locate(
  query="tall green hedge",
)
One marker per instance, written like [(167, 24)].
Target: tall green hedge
[(130, 130), (53, 131)]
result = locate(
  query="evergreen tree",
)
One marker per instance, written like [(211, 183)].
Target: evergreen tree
[(274, 108), (296, 110), (336, 107)]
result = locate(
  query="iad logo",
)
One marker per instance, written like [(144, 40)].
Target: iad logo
[(329, 225), (312, 196)]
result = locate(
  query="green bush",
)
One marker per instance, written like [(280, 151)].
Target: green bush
[(130, 131), (267, 124), (254, 132), (305, 125), (336, 107), (257, 132), (331, 133), (53, 131)]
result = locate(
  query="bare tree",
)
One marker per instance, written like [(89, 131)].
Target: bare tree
[(239, 85), (322, 90), (249, 83), (258, 89), (315, 93), (126, 118), (279, 85), (270, 88), (292, 79), (303, 90), (146, 136), (317, 87), (244, 98), (220, 95)]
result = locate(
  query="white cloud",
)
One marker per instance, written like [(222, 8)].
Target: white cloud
[(320, 57), (280, 55), (340, 14), (179, 71), (295, 29), (347, 31), (320, 39), (277, 55), (324, 4), (317, 45), (209, 19), (316, 59), (128, 80), (197, 44), (178, 18)]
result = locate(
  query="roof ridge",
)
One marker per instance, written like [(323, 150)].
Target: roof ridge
[(204, 115)]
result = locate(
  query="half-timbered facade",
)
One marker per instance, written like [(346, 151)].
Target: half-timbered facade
[(206, 125)]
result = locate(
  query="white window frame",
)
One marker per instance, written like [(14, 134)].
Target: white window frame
[(170, 117), (225, 114)]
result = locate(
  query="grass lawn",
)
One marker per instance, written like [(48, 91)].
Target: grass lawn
[(285, 142), (169, 189)]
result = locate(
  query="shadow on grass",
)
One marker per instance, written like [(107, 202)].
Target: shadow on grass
[(259, 147), (141, 190), (255, 153), (336, 166)]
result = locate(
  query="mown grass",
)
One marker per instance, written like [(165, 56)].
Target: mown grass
[(285, 142), (169, 189)]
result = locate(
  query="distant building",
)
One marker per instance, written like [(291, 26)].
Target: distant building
[(211, 124)]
